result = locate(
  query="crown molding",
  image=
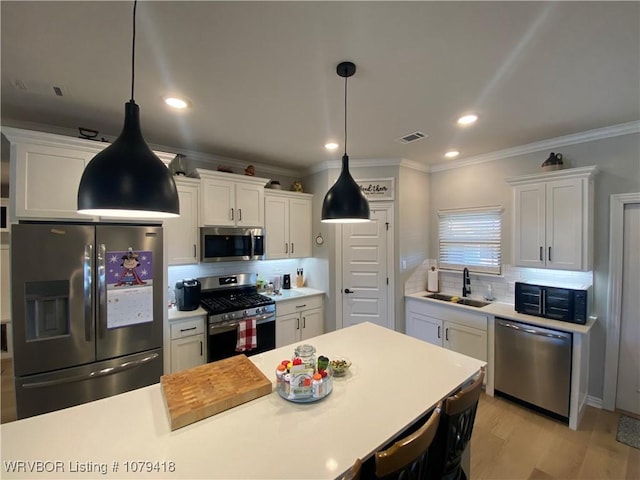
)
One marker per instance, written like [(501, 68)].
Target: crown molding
[(573, 139)]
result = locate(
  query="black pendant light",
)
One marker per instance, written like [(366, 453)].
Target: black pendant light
[(127, 179), (345, 202)]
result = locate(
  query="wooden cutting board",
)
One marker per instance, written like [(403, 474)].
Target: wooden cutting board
[(202, 391)]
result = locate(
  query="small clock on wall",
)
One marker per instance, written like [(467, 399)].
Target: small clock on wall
[(319, 239)]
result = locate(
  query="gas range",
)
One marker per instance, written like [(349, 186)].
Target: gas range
[(234, 297)]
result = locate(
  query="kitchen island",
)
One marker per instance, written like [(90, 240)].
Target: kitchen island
[(394, 380)]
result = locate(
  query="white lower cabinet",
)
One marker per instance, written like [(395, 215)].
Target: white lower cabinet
[(451, 327), (299, 319), (188, 343)]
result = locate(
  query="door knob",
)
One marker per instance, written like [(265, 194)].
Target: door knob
[(346, 290)]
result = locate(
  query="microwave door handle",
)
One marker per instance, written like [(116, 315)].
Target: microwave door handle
[(88, 290), (102, 289)]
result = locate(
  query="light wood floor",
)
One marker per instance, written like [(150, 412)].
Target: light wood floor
[(512, 443)]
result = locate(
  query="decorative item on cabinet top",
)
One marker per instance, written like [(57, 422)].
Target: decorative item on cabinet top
[(179, 165), (554, 162)]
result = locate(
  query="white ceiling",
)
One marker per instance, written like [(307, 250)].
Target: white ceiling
[(261, 75)]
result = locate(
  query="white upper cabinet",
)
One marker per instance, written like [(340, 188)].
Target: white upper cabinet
[(231, 200), (181, 233), (287, 224), (45, 173), (553, 219)]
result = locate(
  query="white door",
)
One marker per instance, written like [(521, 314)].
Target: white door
[(466, 340), (300, 213), (529, 218), (564, 224), (424, 328), (276, 222), (365, 275), (217, 202), (249, 210), (628, 389), (181, 233)]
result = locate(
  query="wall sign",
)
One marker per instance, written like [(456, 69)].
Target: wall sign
[(377, 188)]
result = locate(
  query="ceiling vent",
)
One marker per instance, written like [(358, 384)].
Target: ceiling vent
[(412, 137), (41, 88)]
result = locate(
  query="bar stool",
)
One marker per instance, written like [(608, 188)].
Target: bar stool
[(407, 458), (454, 433), (354, 472)]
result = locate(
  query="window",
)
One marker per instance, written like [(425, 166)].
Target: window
[(471, 238)]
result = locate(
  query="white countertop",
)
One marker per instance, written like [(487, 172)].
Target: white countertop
[(293, 293), (507, 310), (175, 314), (393, 381)]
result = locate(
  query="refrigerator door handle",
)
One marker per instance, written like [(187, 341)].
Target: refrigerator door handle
[(102, 289), (88, 291), (95, 374)]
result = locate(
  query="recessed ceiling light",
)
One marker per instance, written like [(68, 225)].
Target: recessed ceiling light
[(452, 154), (467, 119), (176, 102), (331, 146)]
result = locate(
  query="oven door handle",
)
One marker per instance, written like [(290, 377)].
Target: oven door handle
[(226, 326)]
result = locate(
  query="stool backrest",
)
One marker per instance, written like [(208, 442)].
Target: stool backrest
[(454, 432), (407, 458)]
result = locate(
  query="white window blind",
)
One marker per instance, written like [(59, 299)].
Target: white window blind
[(471, 238)]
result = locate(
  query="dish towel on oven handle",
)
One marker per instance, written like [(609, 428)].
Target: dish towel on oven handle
[(247, 338)]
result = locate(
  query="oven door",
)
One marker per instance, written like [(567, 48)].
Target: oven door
[(223, 338)]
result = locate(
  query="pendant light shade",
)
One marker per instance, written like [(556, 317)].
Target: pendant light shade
[(127, 179), (345, 202)]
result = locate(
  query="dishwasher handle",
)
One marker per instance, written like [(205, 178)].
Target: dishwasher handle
[(533, 331)]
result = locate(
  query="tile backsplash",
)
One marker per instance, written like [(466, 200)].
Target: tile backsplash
[(502, 286), (266, 269)]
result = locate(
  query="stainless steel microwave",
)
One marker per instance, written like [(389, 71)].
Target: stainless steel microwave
[(565, 304), (224, 244)]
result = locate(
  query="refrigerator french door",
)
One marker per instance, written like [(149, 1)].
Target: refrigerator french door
[(86, 311)]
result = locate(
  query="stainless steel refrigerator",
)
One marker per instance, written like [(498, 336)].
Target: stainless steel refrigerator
[(87, 312)]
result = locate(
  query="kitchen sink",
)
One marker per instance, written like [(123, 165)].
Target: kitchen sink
[(459, 300)]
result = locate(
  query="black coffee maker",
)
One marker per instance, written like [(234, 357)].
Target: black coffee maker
[(188, 294)]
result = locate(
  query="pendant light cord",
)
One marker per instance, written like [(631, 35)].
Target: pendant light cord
[(133, 49), (345, 115)]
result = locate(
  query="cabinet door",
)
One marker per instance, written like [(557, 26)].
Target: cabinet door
[(300, 227), (276, 222), (529, 225), (564, 225), (187, 352), (312, 323), (424, 327), (181, 233), (466, 340), (217, 202), (47, 180), (287, 329), (249, 205)]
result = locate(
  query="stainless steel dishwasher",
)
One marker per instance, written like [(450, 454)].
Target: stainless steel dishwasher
[(533, 364)]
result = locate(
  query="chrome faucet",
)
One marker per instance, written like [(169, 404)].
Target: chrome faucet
[(466, 282)]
